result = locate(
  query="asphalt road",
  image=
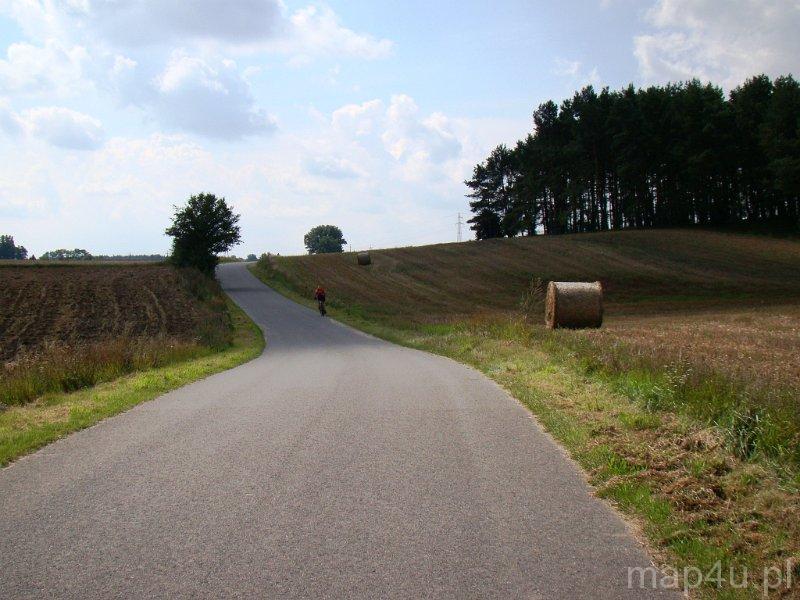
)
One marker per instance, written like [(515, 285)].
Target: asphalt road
[(335, 465)]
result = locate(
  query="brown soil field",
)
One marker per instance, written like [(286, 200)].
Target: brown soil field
[(82, 304)]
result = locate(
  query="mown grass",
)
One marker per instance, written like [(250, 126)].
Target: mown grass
[(643, 272), (28, 427), (700, 456)]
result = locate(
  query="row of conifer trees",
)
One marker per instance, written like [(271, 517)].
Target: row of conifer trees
[(673, 155)]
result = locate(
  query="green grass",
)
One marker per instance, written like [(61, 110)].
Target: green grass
[(26, 428)]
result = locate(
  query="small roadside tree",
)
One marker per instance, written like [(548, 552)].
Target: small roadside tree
[(201, 230), (323, 239)]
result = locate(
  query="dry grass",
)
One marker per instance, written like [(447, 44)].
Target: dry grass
[(69, 367)]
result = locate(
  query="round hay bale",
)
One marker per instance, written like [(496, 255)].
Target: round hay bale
[(574, 304), (364, 259)]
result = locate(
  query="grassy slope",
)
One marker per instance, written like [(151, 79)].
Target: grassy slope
[(25, 428), (640, 270), (633, 427)]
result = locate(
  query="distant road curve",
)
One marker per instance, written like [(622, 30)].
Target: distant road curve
[(335, 465)]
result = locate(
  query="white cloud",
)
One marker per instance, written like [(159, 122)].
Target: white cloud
[(567, 67), (317, 31), (63, 127), (10, 123), (142, 22), (411, 138), (281, 189), (59, 126), (171, 58), (118, 197), (418, 146), (725, 41), (214, 100), (575, 74), (361, 119), (122, 64), (50, 69), (333, 168), (255, 25)]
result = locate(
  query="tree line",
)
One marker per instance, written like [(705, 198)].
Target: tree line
[(65, 254), (674, 155)]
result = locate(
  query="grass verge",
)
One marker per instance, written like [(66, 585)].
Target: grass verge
[(28, 427), (699, 504)]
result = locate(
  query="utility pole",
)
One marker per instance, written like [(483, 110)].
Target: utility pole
[(458, 225)]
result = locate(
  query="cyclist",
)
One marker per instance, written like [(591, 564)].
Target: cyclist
[(319, 296)]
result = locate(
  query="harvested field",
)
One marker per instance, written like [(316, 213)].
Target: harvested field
[(642, 272), (759, 345), (68, 305)]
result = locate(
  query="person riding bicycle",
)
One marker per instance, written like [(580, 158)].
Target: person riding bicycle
[(319, 296)]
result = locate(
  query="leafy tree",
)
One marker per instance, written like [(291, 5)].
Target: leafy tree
[(9, 250), (201, 230), (324, 239), (251, 258)]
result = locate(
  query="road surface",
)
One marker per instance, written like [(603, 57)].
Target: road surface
[(335, 465)]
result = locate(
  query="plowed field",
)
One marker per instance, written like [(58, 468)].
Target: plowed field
[(68, 305)]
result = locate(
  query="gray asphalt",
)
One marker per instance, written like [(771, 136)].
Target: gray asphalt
[(335, 465)]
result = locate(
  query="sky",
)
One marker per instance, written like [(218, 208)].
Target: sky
[(365, 115)]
